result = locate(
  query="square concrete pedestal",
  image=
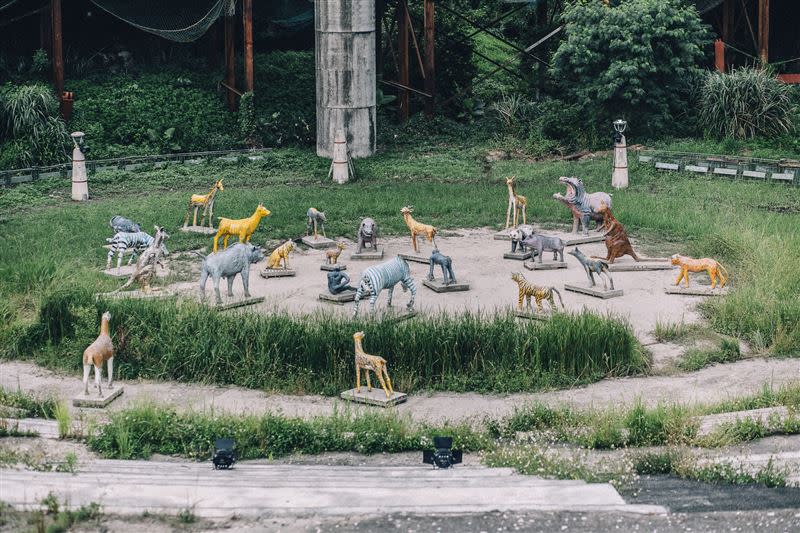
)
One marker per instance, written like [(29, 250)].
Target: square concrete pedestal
[(597, 292), (375, 397), (503, 235), (320, 243), (551, 265), (415, 258), (519, 256), (204, 230), (438, 285), (233, 304), (95, 401), (341, 298), (277, 273), (574, 241), (331, 268), (696, 291), (368, 254)]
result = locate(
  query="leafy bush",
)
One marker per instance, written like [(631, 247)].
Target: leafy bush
[(31, 126), (154, 113), (285, 99), (749, 102), (632, 60)]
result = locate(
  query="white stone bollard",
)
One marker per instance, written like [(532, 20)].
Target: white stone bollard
[(619, 178), (80, 183), (340, 165)]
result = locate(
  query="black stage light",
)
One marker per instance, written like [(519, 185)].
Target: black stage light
[(442, 456), (224, 453)]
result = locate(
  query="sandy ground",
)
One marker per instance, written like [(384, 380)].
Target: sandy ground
[(712, 384), (478, 260)]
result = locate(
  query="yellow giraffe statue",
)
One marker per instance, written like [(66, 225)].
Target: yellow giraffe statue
[(516, 202), (418, 228), (243, 227), (367, 362), (206, 201)]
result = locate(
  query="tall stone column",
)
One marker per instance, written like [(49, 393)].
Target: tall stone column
[(345, 70)]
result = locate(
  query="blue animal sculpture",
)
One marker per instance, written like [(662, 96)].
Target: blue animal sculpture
[(385, 276), (447, 267)]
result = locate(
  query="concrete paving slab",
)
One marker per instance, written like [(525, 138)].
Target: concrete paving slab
[(98, 402), (710, 423)]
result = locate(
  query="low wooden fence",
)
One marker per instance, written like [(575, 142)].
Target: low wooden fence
[(9, 178), (774, 170)]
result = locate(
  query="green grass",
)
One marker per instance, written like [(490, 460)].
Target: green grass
[(27, 405), (674, 331), (696, 358), (313, 354)]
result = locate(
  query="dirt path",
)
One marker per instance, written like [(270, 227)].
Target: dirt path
[(712, 384)]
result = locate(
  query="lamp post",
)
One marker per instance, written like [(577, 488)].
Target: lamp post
[(80, 185), (619, 178)]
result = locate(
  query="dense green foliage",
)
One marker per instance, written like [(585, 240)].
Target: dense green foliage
[(168, 111), (635, 61), (31, 130), (314, 353), (747, 103)]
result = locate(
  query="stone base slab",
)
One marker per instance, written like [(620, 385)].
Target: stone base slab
[(320, 243), (93, 400), (233, 304), (638, 267), (533, 315), (375, 397), (597, 292), (136, 294), (277, 273), (503, 235), (341, 298), (330, 268), (438, 285), (574, 241), (416, 258), (535, 265), (519, 256), (199, 229), (368, 254), (696, 291)]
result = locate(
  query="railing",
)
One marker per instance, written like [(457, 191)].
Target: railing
[(775, 170), (9, 178)]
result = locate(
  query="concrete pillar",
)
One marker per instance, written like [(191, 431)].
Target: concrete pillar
[(345, 69), (340, 167), (80, 181), (619, 178)]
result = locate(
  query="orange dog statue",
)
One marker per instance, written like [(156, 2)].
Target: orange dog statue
[(101, 350), (688, 264)]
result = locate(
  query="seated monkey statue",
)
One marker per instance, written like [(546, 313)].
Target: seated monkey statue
[(339, 281)]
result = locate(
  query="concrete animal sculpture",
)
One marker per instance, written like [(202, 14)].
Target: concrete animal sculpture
[(226, 264), (417, 228), (124, 241), (149, 259), (545, 243), (519, 234), (367, 363), (592, 267), (339, 281), (315, 218), (446, 263), (206, 201), (585, 204), (243, 227), (332, 256), (516, 203), (528, 290), (281, 253), (121, 224), (385, 276), (97, 353), (367, 234), (617, 241), (711, 266)]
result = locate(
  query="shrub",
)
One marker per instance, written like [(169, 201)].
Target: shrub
[(32, 127), (749, 102), (285, 99), (632, 60)]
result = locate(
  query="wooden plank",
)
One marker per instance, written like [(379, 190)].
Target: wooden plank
[(247, 21), (58, 54)]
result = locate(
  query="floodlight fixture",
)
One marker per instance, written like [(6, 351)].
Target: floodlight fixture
[(442, 456), (224, 454)]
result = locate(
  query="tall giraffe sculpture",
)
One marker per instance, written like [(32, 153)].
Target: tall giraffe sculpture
[(367, 362), (516, 202), (206, 201)]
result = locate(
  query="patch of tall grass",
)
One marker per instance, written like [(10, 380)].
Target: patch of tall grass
[(27, 405), (466, 352), (147, 428), (695, 359)]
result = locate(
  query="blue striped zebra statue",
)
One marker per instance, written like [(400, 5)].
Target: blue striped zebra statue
[(124, 241), (385, 276)]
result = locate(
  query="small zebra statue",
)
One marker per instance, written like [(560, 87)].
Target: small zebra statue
[(124, 241), (385, 276)]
